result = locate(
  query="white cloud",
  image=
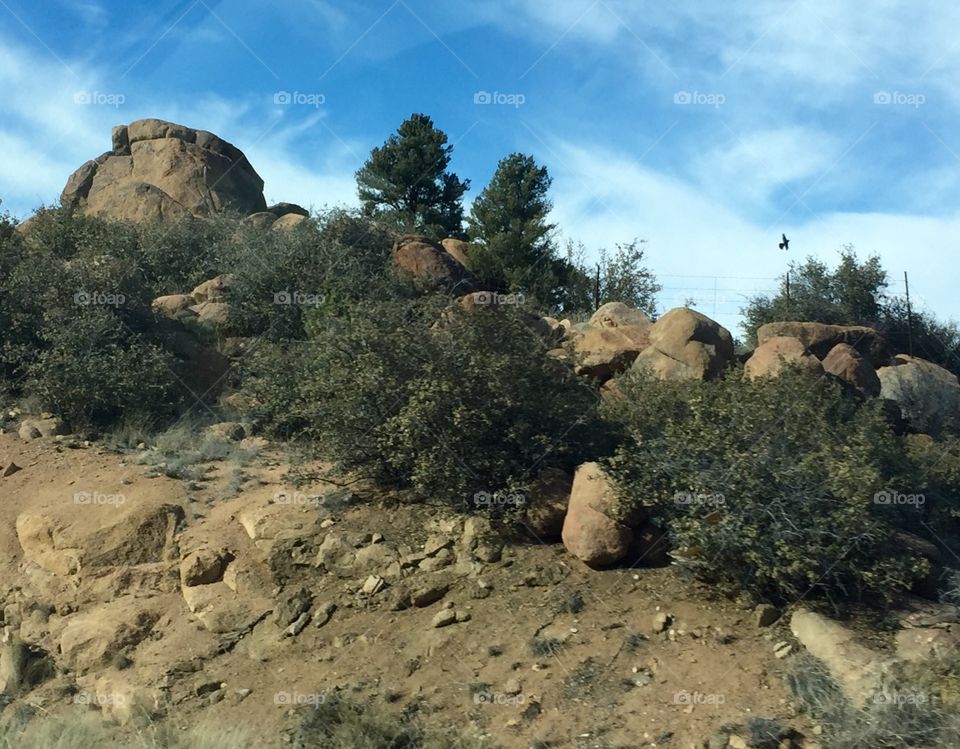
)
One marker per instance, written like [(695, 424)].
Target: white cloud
[(45, 134), (703, 249)]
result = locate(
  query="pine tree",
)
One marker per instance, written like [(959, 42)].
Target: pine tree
[(514, 248), (405, 181)]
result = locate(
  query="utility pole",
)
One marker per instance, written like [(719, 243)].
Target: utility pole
[(596, 290), (906, 282)]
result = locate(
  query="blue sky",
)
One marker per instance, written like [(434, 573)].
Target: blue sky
[(706, 131)]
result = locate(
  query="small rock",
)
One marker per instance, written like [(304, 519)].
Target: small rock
[(512, 686), (765, 615), (737, 742), (661, 620), (10, 469), (297, 626), (324, 612), (444, 618), (428, 594), (782, 649), (463, 616), (373, 585)]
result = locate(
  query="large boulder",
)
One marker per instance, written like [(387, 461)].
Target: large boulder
[(857, 668), (429, 263), (97, 531), (93, 637), (618, 315), (685, 344), (774, 354), (852, 368), (160, 170), (927, 395), (604, 352), (594, 530), (820, 338), (459, 250)]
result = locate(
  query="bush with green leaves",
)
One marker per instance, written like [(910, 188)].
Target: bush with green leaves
[(771, 484), (79, 336), (283, 280), (430, 397)]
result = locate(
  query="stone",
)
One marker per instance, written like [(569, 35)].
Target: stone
[(203, 567), (765, 615), (856, 668), (432, 266), (685, 344), (87, 535), (291, 605), (927, 395), (546, 506), (9, 469), (160, 171), (92, 638), (820, 338), (172, 304), (603, 352), (443, 618), (853, 369), (661, 620), (592, 529), (769, 359)]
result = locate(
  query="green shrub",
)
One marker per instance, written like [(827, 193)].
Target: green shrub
[(449, 408), (335, 723), (769, 484), (917, 706), (95, 369), (287, 281)]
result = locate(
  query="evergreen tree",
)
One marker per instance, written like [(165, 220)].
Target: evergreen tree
[(514, 248), (406, 181)]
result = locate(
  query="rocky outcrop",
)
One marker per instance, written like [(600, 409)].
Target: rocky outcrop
[(432, 265), (159, 170), (779, 352), (685, 344), (820, 338), (927, 395)]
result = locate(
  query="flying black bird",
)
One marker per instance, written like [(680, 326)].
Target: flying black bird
[(785, 244)]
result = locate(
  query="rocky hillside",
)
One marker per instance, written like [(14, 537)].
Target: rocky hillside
[(283, 463)]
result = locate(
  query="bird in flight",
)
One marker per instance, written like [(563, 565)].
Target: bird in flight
[(784, 243)]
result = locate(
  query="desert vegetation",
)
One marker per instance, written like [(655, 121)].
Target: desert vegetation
[(458, 359)]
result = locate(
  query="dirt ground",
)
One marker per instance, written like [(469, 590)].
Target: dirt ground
[(551, 651)]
